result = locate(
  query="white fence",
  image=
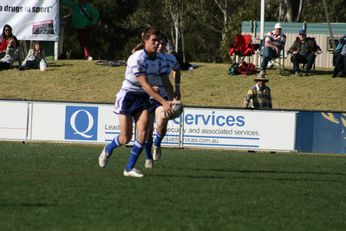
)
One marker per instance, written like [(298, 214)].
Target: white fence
[(197, 127)]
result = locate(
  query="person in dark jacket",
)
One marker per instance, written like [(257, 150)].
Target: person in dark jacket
[(304, 50), (340, 58)]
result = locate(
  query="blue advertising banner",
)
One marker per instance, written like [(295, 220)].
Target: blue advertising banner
[(323, 132), (81, 123)]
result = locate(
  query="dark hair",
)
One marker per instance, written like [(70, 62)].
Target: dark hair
[(3, 31), (15, 40), (150, 31), (163, 38)]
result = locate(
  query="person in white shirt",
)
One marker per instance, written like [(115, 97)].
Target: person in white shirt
[(132, 101), (273, 44)]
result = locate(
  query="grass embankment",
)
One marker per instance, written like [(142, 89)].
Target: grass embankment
[(208, 85)]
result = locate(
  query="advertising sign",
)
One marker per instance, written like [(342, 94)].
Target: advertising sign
[(13, 120), (81, 123), (323, 132), (238, 129), (31, 19)]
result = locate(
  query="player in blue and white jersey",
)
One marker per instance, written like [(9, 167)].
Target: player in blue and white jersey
[(171, 65), (132, 100)]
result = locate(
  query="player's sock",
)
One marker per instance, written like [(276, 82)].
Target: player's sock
[(114, 144), (158, 139), (135, 152), (147, 148)]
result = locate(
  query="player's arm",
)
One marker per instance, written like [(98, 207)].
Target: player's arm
[(168, 86), (176, 77), (150, 91)]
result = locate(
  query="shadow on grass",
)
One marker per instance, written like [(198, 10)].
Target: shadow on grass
[(27, 205), (250, 173), (58, 65)]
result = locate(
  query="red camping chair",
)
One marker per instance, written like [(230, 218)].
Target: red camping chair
[(242, 46)]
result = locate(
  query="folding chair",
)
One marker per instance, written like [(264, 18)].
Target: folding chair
[(278, 61), (242, 47)]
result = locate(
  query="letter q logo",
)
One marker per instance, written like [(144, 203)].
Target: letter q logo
[(81, 123)]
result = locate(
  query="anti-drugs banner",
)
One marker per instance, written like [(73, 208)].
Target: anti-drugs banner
[(31, 19)]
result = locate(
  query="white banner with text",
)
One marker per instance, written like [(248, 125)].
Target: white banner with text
[(31, 19), (197, 127)]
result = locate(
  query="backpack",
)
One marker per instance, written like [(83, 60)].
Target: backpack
[(233, 69), (247, 68)]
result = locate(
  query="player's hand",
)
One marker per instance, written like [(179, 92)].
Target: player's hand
[(167, 106)]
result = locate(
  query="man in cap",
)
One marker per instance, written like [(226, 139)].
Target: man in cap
[(273, 44), (259, 95), (304, 50)]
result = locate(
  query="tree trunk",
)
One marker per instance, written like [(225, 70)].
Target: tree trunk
[(289, 12)]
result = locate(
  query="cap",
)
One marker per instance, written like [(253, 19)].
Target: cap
[(278, 26), (302, 31)]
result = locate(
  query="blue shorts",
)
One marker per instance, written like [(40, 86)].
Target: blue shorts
[(153, 104), (130, 103)]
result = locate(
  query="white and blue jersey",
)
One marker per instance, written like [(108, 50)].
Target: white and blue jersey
[(170, 64), (131, 98), (138, 64)]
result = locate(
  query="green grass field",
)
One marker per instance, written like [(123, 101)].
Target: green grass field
[(61, 187)]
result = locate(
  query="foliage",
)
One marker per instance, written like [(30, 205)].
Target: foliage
[(205, 26)]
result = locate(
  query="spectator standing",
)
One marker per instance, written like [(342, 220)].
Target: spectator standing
[(274, 42), (304, 50), (132, 101), (340, 58), (5, 37), (84, 19), (35, 55), (259, 95)]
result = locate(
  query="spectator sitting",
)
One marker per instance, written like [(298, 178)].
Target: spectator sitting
[(34, 57), (273, 44), (4, 38), (259, 95), (184, 66), (304, 50), (340, 58), (11, 54)]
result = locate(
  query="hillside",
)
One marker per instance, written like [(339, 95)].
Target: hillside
[(208, 85)]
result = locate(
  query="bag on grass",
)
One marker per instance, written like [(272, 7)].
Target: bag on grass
[(233, 69)]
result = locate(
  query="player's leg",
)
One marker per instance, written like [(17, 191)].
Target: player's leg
[(125, 125), (161, 129), (149, 142), (141, 120), (122, 107)]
